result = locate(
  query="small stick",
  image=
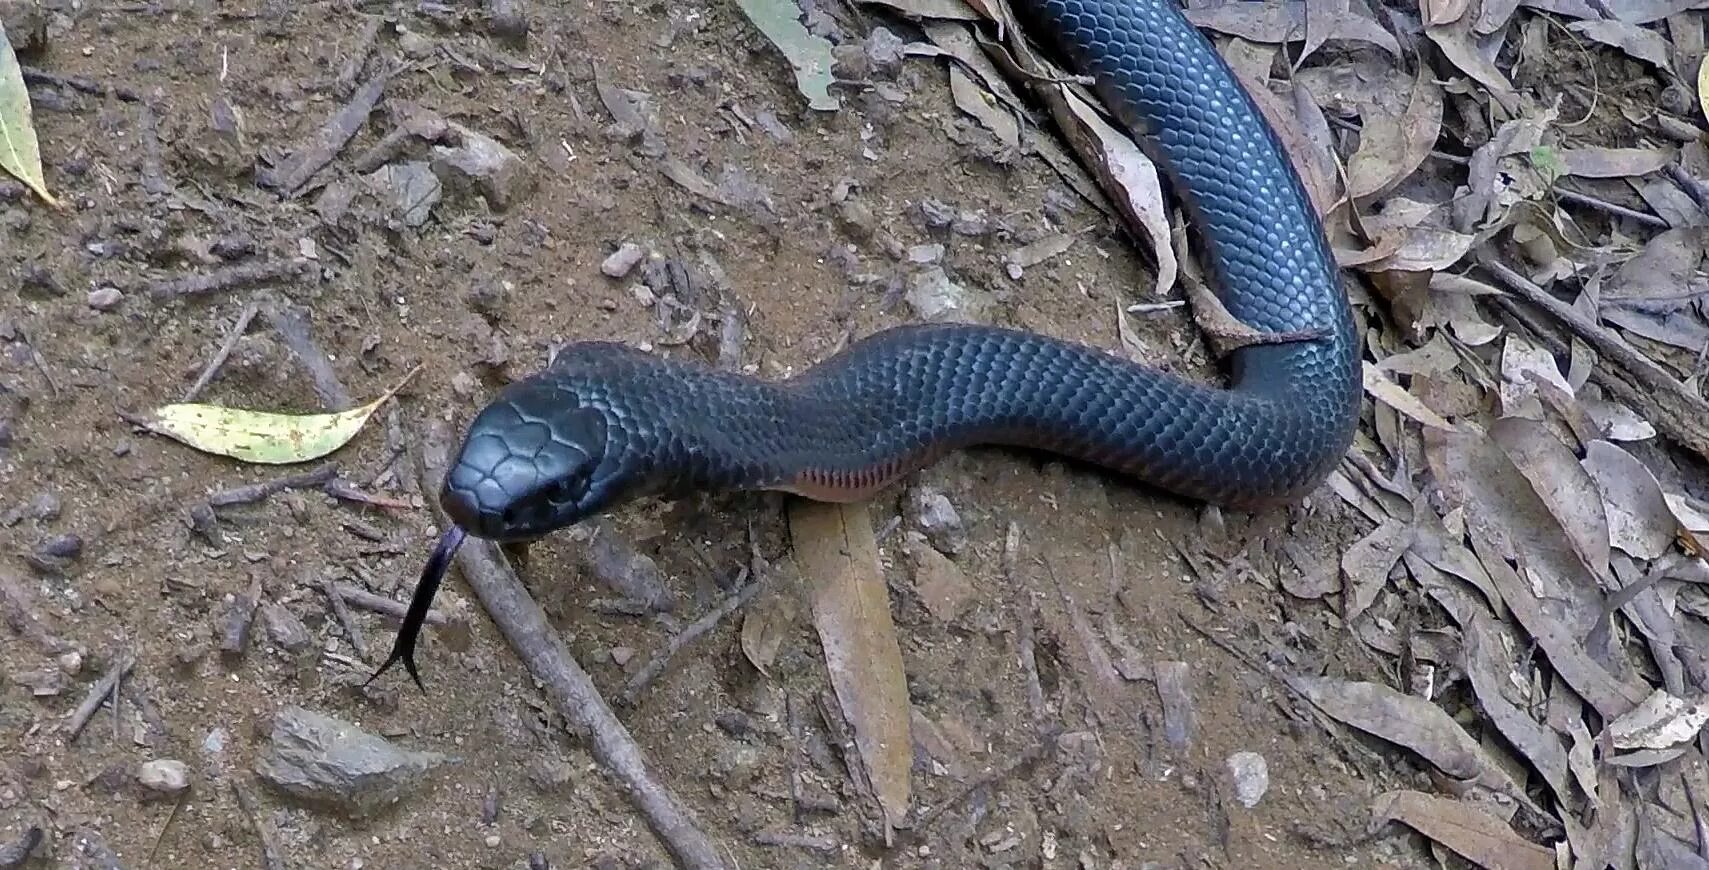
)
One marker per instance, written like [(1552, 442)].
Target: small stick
[(356, 596), (352, 68), (77, 83), (153, 177), (270, 859), (295, 171), (1679, 411), (97, 695), (235, 639), (1693, 187), (226, 347), (1586, 199), (250, 493), (293, 328), (689, 634), (346, 619), (229, 278), (571, 690)]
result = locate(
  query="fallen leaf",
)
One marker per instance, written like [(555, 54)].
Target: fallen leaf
[(768, 623), (954, 10), (1470, 832), (1125, 168), (1489, 666), (1645, 45), (263, 437), (1459, 46), (1393, 395), (1660, 722), (1640, 522), (808, 55), (1612, 162), (1405, 720), (1286, 22), (1563, 485), (1400, 145), (1369, 560), (19, 153), (1703, 86), (837, 554), (1052, 245)]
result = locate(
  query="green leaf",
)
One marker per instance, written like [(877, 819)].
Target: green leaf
[(18, 153)]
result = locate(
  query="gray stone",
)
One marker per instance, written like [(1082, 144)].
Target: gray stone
[(323, 761)]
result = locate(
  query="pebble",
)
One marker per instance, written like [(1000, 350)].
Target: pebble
[(933, 512), (1251, 774), (925, 254), (498, 173), (884, 51), (623, 261), (164, 776), (324, 761), (284, 627), (621, 655), (105, 298), (935, 298)]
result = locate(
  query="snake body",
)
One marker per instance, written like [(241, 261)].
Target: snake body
[(604, 423)]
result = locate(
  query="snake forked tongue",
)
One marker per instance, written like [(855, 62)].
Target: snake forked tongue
[(403, 648)]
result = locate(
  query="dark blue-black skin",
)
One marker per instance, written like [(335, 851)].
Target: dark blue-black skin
[(604, 424)]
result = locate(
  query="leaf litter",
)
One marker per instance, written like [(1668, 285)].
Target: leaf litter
[(1533, 287)]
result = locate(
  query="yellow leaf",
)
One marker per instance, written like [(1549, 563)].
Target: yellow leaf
[(264, 437), (1703, 85), (18, 153)]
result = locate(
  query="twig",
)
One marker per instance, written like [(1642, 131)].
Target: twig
[(250, 493), (570, 689), (97, 695), (352, 68), (1029, 615), (356, 596), (1693, 186), (270, 859), (229, 278), (224, 353), (293, 329), (690, 633), (1045, 747), (352, 630), (235, 638), (153, 176), (78, 83), (1586, 199), (324, 145), (1672, 407)]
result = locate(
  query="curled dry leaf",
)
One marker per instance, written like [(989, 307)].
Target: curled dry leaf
[(1521, 361), (1392, 149), (837, 553), (808, 55), (1660, 722), (1393, 395), (1479, 837), (1640, 522), (1459, 45)]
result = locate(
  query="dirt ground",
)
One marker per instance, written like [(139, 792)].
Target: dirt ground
[(477, 297)]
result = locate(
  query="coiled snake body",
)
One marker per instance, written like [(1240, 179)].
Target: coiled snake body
[(603, 423)]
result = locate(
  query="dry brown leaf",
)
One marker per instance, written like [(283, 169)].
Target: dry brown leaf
[(1286, 22), (1368, 562), (1612, 162), (1470, 832), (1322, 19), (1522, 363), (1489, 665), (1493, 15), (1616, 421), (1392, 151), (1395, 396), (1435, 357), (1459, 45), (1664, 268), (951, 10), (1563, 485), (1640, 522), (1645, 45), (1405, 720), (1125, 167), (1437, 13), (838, 556), (768, 623), (1506, 520)]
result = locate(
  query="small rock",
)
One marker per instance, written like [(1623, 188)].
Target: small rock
[(884, 52), (412, 188), (935, 214), (164, 776), (925, 254), (623, 261), (497, 173), (736, 765), (285, 628), (1251, 774), (39, 283), (621, 655), (321, 760), (932, 511), (935, 297), (971, 223), (43, 682), (507, 19), (734, 723), (942, 586), (26, 25), (552, 776), (105, 298), (856, 219), (62, 547)]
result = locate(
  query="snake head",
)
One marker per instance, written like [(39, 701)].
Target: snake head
[(527, 467)]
